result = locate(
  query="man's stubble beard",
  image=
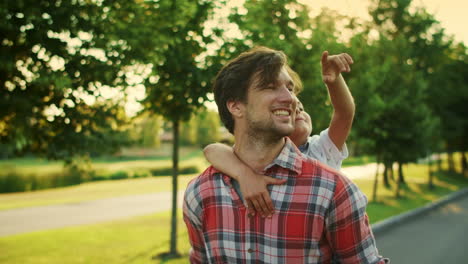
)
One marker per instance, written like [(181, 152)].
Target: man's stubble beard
[(265, 131)]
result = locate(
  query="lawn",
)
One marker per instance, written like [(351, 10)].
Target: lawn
[(134, 240), (138, 239), (27, 166)]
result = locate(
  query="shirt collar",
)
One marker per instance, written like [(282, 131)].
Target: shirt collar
[(289, 158), (303, 148)]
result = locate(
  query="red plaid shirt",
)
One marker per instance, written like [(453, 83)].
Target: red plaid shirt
[(320, 214)]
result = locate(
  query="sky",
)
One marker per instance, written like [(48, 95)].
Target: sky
[(452, 14)]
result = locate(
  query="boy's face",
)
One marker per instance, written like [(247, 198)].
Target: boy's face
[(271, 109), (303, 125)]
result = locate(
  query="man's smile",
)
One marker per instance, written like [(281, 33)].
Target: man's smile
[(282, 112)]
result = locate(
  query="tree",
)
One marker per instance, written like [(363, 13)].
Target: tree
[(208, 130), (428, 47), (448, 99), (57, 58), (202, 128), (405, 124), (146, 131), (178, 83)]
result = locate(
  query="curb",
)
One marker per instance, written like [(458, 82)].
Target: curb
[(386, 224)]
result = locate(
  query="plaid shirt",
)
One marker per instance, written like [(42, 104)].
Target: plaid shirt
[(320, 215)]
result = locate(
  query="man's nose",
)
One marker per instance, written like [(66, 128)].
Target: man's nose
[(286, 95)]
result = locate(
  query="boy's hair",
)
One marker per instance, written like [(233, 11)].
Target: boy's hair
[(234, 79)]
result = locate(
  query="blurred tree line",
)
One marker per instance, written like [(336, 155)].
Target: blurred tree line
[(59, 58)]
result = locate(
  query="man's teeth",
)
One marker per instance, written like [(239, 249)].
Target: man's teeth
[(281, 113)]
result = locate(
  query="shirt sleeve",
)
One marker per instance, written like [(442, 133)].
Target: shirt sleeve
[(347, 226), (324, 150), (192, 218)]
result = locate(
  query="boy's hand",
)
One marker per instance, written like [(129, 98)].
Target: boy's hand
[(257, 199), (334, 65)]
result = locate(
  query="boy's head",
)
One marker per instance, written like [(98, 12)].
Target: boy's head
[(303, 125)]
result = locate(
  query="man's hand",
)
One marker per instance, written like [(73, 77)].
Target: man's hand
[(257, 199), (334, 65)]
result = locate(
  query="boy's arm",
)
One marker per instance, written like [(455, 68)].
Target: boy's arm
[(253, 185), (341, 98)]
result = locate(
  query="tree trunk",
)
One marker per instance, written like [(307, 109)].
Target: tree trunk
[(451, 163), (376, 179), (175, 173), (464, 164), (439, 162), (390, 172), (400, 180), (387, 168), (430, 173), (401, 177)]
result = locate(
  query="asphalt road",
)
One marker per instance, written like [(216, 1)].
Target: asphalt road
[(438, 237)]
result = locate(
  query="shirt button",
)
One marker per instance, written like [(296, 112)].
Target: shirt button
[(250, 250)]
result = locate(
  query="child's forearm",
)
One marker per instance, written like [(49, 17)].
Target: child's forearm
[(222, 157), (343, 111), (341, 99), (252, 185)]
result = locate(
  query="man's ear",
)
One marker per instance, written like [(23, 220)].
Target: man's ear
[(235, 108)]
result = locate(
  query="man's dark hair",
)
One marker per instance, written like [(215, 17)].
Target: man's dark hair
[(236, 76)]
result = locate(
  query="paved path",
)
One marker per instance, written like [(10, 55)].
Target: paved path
[(438, 237), (31, 219)]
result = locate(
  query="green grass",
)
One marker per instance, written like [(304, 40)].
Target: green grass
[(357, 161), (415, 194), (134, 240)]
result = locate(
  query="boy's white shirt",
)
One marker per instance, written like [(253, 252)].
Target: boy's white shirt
[(322, 148)]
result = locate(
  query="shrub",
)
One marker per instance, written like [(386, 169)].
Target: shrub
[(12, 182), (141, 174), (118, 175), (166, 171)]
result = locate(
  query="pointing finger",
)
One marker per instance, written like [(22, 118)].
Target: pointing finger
[(324, 57)]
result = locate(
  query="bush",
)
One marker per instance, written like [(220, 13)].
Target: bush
[(141, 174), (12, 182), (118, 175), (167, 171)]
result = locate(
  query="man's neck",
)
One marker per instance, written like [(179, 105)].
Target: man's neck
[(257, 153)]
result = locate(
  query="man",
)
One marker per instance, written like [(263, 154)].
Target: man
[(329, 147), (319, 215)]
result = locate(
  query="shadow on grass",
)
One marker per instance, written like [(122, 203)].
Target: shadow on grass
[(159, 253), (414, 195), (167, 256)]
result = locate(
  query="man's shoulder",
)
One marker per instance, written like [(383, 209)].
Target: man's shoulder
[(313, 167), (204, 180)]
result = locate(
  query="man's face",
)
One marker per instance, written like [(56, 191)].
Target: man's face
[(303, 126), (270, 111)]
